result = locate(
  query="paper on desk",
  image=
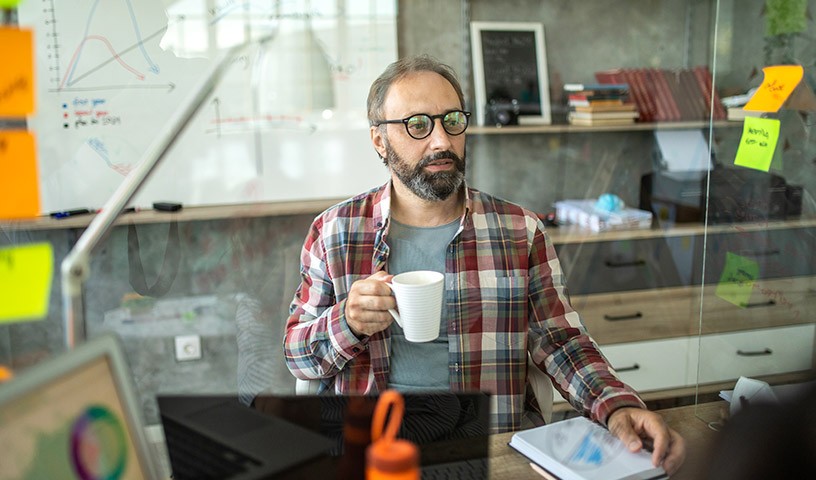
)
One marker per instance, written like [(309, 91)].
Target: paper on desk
[(760, 391), (749, 391), (683, 150)]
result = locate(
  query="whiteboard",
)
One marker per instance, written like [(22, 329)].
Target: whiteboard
[(287, 122)]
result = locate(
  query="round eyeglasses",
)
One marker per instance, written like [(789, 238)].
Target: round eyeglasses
[(421, 125)]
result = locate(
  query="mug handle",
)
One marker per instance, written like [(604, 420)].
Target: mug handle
[(393, 312)]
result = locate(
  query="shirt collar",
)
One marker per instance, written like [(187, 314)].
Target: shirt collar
[(382, 211)]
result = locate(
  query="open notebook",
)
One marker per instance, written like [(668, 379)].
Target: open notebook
[(74, 416)]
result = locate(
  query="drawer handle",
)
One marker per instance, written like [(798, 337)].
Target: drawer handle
[(628, 369), (761, 253), (769, 303), (615, 318), (632, 263), (754, 353)]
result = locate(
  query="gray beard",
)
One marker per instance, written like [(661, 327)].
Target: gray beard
[(427, 186)]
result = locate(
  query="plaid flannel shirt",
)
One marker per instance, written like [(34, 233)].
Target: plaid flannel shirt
[(505, 294)]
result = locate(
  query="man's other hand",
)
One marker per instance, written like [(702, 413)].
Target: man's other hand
[(634, 425), (368, 303)]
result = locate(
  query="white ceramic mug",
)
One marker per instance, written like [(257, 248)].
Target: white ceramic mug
[(419, 299)]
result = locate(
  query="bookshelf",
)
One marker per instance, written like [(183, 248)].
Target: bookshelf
[(566, 128)]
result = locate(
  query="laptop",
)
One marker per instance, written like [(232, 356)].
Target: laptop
[(75, 415), (451, 429), (217, 437)]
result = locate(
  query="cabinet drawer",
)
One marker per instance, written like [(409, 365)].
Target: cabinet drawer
[(771, 303), (777, 252), (637, 316), (646, 366), (651, 365), (620, 265), (727, 356)]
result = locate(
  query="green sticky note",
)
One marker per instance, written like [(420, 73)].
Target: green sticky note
[(25, 282), (737, 279), (758, 143), (9, 3)]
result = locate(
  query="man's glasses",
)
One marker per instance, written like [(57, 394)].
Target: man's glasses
[(421, 125)]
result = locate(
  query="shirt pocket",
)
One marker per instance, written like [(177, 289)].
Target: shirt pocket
[(503, 306)]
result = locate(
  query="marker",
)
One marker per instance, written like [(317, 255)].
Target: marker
[(70, 213), (167, 206), (127, 210)]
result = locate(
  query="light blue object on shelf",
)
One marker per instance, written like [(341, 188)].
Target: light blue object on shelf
[(609, 202)]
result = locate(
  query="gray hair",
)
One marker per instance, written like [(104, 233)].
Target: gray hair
[(400, 69)]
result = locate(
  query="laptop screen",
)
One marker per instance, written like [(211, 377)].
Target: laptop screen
[(447, 427), (67, 418)]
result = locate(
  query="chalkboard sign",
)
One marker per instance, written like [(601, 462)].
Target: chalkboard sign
[(510, 72)]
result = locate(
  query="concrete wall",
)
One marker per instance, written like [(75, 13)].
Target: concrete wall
[(225, 262)]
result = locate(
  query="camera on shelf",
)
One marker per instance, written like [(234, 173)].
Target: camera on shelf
[(502, 112)]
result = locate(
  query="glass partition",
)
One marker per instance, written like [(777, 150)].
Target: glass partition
[(716, 283)]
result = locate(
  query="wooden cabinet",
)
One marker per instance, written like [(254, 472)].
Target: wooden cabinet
[(751, 353), (658, 301)]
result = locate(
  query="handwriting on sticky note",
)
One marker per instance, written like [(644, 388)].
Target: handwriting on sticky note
[(737, 279), (17, 74), (758, 143), (25, 281), (777, 85), (19, 184)]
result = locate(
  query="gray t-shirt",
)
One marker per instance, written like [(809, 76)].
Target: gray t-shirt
[(419, 366)]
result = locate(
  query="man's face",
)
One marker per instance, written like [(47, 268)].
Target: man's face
[(432, 168)]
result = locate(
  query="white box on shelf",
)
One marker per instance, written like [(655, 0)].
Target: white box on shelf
[(584, 213)]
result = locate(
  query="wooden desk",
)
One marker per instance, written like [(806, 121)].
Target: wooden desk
[(506, 463)]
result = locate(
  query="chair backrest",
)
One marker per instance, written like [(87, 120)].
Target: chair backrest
[(306, 387), (542, 389)]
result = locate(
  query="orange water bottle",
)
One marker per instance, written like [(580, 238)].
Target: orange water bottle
[(390, 458)]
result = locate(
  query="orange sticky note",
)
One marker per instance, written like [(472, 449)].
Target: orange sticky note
[(758, 143), (19, 186), (17, 74), (777, 85)]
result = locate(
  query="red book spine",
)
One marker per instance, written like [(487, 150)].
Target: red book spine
[(661, 102), (704, 80), (698, 98), (663, 86), (648, 92), (680, 98), (646, 107)]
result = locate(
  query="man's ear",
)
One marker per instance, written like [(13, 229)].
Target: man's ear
[(377, 140)]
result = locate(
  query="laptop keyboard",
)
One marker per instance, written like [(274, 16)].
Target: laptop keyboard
[(466, 469), (192, 456)]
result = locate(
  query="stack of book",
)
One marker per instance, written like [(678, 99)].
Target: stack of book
[(669, 94), (599, 104), (585, 214)]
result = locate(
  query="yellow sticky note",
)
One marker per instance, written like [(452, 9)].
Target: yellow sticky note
[(25, 281), (9, 3), (19, 185), (17, 74), (758, 143), (777, 85), (737, 279)]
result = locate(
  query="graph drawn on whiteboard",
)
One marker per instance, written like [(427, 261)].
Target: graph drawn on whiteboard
[(111, 73)]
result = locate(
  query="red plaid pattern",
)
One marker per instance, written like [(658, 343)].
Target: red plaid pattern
[(505, 293)]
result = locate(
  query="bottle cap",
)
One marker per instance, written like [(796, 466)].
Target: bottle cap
[(393, 456)]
